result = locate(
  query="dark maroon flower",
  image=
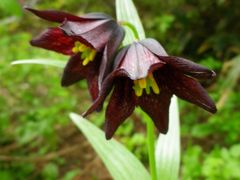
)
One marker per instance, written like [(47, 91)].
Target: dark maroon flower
[(144, 75), (91, 40)]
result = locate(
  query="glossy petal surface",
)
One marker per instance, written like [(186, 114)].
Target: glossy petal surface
[(107, 86), (120, 106), (188, 67), (75, 71), (138, 61), (157, 107), (154, 46), (54, 39), (94, 33), (109, 52), (60, 16), (187, 88)]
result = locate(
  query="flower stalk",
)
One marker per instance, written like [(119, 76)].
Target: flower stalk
[(151, 146), (131, 27)]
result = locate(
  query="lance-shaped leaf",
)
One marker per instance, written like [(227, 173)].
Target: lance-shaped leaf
[(120, 162), (167, 151)]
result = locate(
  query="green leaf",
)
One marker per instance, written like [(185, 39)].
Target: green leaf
[(168, 147), (120, 162), (49, 62)]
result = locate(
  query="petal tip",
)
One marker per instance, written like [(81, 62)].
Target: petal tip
[(213, 109), (84, 114), (32, 42), (64, 83), (27, 7), (108, 136), (213, 75), (162, 129), (109, 129)]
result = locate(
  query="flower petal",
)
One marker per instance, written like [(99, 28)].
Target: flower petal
[(93, 33), (109, 52), (60, 16), (120, 56), (157, 107), (184, 65), (188, 67), (138, 61), (154, 46), (120, 106), (54, 39), (186, 88), (107, 86), (75, 71), (93, 86)]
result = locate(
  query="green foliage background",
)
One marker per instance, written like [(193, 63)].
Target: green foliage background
[(34, 108)]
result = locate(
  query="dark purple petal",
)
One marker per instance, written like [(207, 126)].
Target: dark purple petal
[(94, 33), (59, 16), (157, 107), (120, 106), (109, 52), (93, 87), (186, 88), (120, 56), (95, 16), (138, 61), (184, 65), (107, 86), (154, 46), (54, 39), (75, 71), (188, 67)]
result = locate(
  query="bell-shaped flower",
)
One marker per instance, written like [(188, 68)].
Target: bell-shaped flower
[(91, 40), (145, 75)]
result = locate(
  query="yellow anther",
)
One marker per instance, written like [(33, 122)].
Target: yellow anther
[(85, 61), (77, 44), (75, 50), (155, 87), (146, 83), (138, 90), (83, 48), (153, 84), (87, 54), (148, 90), (142, 83), (92, 55)]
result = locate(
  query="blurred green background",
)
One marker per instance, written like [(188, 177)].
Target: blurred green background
[(37, 139)]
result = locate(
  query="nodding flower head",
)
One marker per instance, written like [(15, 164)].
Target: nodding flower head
[(91, 40), (145, 75)]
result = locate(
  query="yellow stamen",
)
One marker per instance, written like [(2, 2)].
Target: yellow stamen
[(85, 61), (142, 83), (83, 48), (92, 55), (147, 83), (87, 54), (138, 90), (75, 50), (148, 90), (154, 85), (77, 43)]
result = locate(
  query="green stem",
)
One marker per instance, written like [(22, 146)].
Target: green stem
[(131, 27), (151, 146)]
